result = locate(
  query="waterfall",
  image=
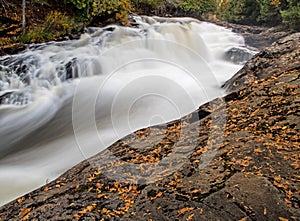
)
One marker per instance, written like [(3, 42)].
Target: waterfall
[(62, 102)]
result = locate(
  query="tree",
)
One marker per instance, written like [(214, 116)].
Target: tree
[(203, 6), (23, 16), (269, 12), (291, 16), (240, 11)]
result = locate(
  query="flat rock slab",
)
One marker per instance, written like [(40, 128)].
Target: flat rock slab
[(243, 197), (235, 158)]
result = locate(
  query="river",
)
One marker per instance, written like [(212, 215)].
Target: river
[(62, 102)]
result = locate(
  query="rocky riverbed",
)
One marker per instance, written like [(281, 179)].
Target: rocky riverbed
[(235, 158)]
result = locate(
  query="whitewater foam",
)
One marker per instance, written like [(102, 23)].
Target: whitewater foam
[(64, 102)]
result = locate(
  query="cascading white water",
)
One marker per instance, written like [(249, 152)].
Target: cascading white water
[(64, 102)]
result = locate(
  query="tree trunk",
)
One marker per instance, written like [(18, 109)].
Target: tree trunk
[(23, 15)]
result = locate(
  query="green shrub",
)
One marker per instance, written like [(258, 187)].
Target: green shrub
[(58, 23), (35, 36), (119, 9)]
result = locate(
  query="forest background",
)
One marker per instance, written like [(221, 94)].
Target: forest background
[(34, 21)]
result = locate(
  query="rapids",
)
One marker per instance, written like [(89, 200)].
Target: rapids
[(62, 102)]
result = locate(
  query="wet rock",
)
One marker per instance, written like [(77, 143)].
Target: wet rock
[(257, 37), (238, 55), (12, 49), (283, 55)]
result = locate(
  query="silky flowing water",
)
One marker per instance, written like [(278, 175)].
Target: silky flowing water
[(62, 102)]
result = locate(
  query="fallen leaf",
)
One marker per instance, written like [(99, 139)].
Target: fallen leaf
[(20, 200), (159, 194), (282, 219), (76, 216), (99, 185), (90, 179), (190, 217), (185, 210), (200, 210), (25, 218), (258, 150), (196, 191), (24, 211), (296, 165)]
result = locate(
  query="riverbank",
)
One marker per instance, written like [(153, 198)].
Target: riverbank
[(244, 166), (37, 12)]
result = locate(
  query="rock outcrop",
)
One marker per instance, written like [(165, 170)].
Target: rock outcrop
[(257, 36), (281, 56), (235, 158)]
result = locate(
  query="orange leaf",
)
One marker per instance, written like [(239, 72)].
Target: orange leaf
[(185, 210), (159, 194), (20, 200), (282, 219), (25, 218), (258, 150), (24, 211), (76, 216), (99, 185), (296, 165), (190, 217), (118, 16)]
